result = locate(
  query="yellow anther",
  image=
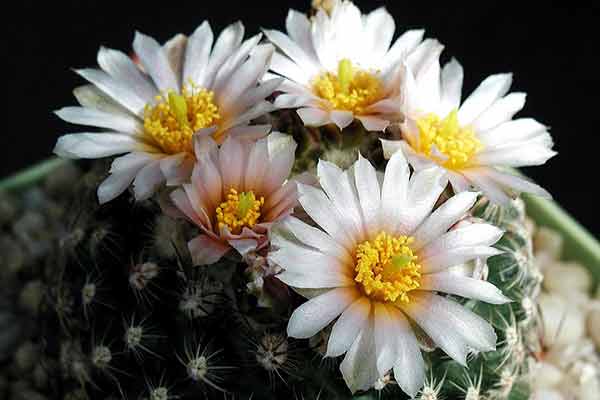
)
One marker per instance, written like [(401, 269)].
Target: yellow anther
[(239, 210), (351, 89), (446, 142), (173, 120), (386, 268)]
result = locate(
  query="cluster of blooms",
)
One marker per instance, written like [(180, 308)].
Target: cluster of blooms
[(371, 251)]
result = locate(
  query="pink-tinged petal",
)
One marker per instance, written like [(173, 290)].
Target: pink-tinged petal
[(359, 367), (282, 149), (455, 256), (197, 53), (154, 60), (118, 91), (313, 116), (183, 204), (98, 145), (409, 368), (148, 180), (243, 246), (341, 118), (348, 326), (446, 321), (446, 215), (372, 123), (257, 167), (295, 101), (287, 197), (198, 201), (232, 163), (177, 168), (122, 68), (463, 236), (490, 90), (451, 283), (248, 132), (385, 338), (206, 250), (314, 315)]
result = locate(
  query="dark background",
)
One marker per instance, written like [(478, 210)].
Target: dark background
[(552, 51)]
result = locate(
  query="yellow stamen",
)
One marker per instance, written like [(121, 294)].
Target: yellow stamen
[(239, 210), (446, 142), (386, 268), (351, 89), (172, 122)]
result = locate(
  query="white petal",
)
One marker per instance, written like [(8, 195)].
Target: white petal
[(385, 339), (285, 67), (90, 96), (409, 368), (313, 116), (339, 187), (406, 43), (394, 190), (449, 282), (122, 68), (455, 256), (424, 55), (359, 367), (154, 59), (197, 53), (516, 183), (244, 118), (390, 147), (235, 61), (315, 281), (373, 124), (425, 187), (147, 181), (520, 155), (501, 111), (369, 194), (443, 218), (379, 28), (298, 28), (341, 118), (122, 172), (101, 119), (229, 40), (118, 91), (489, 187), (303, 260), (348, 326), (175, 48), (254, 95), (314, 315), (519, 130), (452, 80), (293, 51), (97, 145), (478, 234), (490, 90), (177, 168)]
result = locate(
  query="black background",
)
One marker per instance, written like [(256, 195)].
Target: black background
[(552, 51)]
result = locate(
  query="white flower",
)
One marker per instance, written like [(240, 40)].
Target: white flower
[(474, 139), (377, 261), (151, 110), (340, 66)]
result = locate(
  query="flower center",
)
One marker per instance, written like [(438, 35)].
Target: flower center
[(239, 211), (351, 89), (386, 268), (446, 142), (175, 118)]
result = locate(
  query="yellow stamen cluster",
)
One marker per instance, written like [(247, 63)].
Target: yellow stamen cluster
[(351, 89), (175, 118), (386, 268), (239, 210), (454, 145)]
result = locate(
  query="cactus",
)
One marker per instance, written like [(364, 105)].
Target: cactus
[(122, 311)]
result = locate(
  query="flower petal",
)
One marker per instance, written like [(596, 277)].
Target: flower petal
[(394, 190), (229, 40), (197, 53), (313, 116), (369, 193), (154, 59), (205, 250), (385, 339), (455, 256), (516, 183), (372, 123), (478, 234), (341, 118), (348, 326), (314, 315), (102, 119), (452, 80), (490, 90), (359, 367), (500, 111), (451, 283), (148, 180), (97, 145)]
